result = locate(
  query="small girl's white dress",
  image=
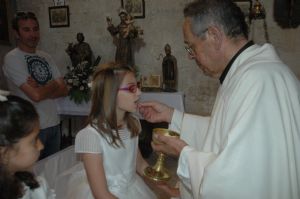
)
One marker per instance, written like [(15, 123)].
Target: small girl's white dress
[(42, 192), (119, 166)]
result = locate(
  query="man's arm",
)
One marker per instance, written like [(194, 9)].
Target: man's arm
[(53, 89), (62, 89)]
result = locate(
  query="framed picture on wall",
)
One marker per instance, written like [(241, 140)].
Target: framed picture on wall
[(136, 8), (245, 6), (4, 32), (151, 81), (59, 16), (59, 2)]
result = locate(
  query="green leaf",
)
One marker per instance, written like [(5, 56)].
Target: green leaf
[(79, 96)]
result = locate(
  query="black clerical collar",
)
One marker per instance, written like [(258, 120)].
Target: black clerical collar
[(224, 74)]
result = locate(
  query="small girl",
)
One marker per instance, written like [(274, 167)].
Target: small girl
[(19, 149), (109, 144)]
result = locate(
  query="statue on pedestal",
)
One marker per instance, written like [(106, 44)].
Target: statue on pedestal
[(123, 35), (169, 70), (80, 52), (78, 75)]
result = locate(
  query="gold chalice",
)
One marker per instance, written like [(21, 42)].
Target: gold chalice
[(158, 172)]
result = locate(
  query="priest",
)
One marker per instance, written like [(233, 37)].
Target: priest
[(249, 147)]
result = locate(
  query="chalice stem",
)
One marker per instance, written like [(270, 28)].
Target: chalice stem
[(158, 172), (159, 165)]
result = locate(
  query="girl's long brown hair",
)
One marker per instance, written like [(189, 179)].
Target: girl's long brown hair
[(105, 84)]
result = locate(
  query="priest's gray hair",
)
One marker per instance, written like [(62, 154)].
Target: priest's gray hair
[(224, 14)]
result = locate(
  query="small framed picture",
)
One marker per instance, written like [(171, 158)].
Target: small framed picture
[(59, 2), (151, 81), (245, 6), (136, 8), (59, 16)]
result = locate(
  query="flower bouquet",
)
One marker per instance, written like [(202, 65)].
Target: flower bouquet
[(77, 79)]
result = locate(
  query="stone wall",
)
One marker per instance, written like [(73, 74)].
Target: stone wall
[(161, 25)]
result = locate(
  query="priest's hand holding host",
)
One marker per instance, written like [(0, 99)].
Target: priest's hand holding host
[(157, 112)]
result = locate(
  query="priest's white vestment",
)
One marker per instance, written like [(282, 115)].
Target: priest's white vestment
[(249, 148)]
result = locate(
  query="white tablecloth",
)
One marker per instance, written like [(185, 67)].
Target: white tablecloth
[(67, 107)]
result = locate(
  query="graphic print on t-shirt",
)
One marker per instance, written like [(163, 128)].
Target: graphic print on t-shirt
[(39, 69)]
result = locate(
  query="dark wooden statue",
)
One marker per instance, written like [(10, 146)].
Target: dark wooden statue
[(80, 52), (169, 69), (287, 13)]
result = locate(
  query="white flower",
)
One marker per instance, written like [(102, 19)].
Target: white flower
[(3, 95), (76, 82)]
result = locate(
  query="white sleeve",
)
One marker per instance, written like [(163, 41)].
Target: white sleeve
[(13, 69), (192, 128), (191, 167), (88, 141), (192, 162), (176, 121)]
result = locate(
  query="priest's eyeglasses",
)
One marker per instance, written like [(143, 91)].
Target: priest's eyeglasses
[(131, 88), (189, 50)]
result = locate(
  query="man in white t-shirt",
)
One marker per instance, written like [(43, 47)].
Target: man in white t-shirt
[(33, 75)]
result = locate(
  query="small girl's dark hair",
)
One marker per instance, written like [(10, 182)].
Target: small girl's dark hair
[(18, 118), (10, 187)]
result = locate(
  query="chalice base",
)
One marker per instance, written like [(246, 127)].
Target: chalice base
[(157, 176)]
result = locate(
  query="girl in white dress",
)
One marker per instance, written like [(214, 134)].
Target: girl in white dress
[(19, 149), (108, 145)]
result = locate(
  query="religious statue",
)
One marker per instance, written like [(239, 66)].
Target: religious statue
[(123, 35), (286, 13), (80, 53), (169, 69), (83, 65)]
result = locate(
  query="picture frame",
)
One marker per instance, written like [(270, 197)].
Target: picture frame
[(59, 2), (136, 8), (246, 6), (151, 81), (4, 25), (59, 16)]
